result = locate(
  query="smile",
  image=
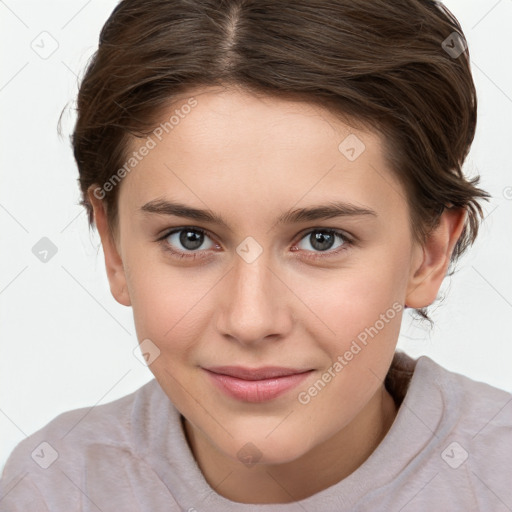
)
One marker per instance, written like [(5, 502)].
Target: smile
[(259, 385)]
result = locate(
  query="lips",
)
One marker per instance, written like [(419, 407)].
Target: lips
[(255, 384), (267, 372)]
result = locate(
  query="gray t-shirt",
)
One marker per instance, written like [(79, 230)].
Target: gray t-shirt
[(449, 449)]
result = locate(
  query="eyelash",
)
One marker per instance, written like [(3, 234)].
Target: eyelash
[(347, 243)]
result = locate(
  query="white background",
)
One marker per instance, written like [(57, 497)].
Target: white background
[(65, 342)]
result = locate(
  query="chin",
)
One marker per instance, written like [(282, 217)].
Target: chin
[(259, 450)]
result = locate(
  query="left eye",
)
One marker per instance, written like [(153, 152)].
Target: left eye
[(324, 239)]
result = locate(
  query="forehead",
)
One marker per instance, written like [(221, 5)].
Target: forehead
[(260, 122), (212, 143)]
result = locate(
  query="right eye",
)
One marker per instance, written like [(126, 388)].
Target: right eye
[(184, 242)]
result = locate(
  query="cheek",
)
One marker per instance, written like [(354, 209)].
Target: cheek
[(173, 308), (162, 299), (362, 312), (360, 309), (350, 300)]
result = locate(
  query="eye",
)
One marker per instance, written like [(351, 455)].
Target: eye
[(187, 240), (322, 241)]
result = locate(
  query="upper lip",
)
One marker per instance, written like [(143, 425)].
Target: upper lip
[(267, 372)]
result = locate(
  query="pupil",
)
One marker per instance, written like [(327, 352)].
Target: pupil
[(191, 240), (322, 242)]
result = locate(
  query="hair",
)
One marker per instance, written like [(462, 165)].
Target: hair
[(383, 65)]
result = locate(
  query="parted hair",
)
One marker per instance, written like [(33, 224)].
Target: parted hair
[(383, 65)]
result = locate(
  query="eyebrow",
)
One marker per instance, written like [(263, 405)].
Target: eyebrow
[(317, 212)]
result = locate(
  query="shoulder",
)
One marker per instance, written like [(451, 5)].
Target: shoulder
[(480, 415), (451, 405), (471, 405), (58, 453), (472, 439), (451, 442), (72, 430)]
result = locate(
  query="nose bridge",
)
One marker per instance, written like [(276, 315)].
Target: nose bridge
[(252, 307)]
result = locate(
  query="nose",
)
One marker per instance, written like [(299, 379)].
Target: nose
[(253, 307)]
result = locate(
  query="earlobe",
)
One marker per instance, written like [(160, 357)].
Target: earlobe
[(432, 260), (113, 260)]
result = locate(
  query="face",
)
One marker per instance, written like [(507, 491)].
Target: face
[(270, 274)]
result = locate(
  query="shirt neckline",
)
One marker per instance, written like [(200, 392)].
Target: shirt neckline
[(168, 452)]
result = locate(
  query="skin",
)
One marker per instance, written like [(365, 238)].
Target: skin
[(249, 159)]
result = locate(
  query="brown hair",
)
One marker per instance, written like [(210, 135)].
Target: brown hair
[(385, 65)]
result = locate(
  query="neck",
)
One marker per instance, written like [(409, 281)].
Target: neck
[(329, 462)]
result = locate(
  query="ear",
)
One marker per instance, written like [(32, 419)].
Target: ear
[(433, 259), (113, 262)]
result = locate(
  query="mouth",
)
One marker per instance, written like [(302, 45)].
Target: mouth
[(258, 384)]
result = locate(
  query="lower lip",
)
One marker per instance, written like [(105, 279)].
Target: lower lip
[(256, 390)]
